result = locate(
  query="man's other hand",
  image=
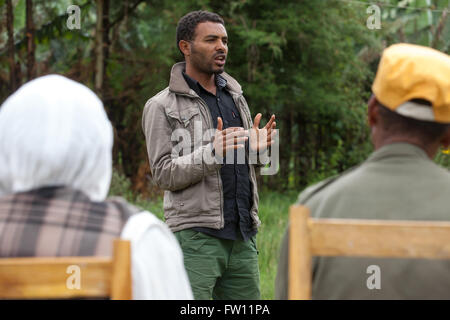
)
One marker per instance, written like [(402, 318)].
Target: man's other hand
[(228, 139)]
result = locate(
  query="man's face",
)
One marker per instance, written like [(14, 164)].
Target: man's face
[(209, 48)]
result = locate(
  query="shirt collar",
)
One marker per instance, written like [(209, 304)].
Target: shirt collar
[(178, 84), (396, 150), (221, 82)]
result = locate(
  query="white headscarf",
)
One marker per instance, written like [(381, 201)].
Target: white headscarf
[(54, 132)]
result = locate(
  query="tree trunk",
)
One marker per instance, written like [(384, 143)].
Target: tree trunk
[(430, 22), (31, 46), (285, 150), (439, 28), (297, 153), (99, 52), (106, 42), (302, 152), (10, 31)]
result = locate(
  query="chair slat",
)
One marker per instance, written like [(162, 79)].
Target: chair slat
[(353, 237), (375, 238), (299, 254), (51, 277), (122, 281)]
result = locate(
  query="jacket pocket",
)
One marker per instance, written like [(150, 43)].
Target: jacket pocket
[(186, 129), (204, 196), (172, 200), (185, 117)]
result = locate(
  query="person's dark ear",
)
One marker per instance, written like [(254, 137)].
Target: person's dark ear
[(185, 47), (445, 141), (373, 111)]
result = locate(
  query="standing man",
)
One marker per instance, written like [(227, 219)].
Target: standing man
[(210, 202), (409, 118)]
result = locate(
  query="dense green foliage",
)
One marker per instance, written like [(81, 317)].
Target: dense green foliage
[(311, 63)]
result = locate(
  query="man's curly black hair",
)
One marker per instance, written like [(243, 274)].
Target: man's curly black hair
[(187, 24)]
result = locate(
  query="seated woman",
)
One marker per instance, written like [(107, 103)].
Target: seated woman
[(55, 171)]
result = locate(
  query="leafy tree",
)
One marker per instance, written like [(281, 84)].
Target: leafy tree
[(311, 63)]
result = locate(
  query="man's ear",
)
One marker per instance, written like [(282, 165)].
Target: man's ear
[(445, 141), (373, 111), (185, 47)]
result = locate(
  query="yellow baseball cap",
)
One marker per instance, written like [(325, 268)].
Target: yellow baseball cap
[(408, 72)]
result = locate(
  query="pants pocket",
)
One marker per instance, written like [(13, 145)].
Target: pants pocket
[(253, 240), (190, 240)]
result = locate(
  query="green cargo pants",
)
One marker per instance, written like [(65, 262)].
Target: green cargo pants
[(220, 268)]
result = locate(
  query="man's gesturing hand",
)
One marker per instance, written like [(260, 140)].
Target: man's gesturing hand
[(261, 139), (228, 139)]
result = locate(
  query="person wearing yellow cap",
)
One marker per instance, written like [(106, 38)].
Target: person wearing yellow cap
[(409, 118)]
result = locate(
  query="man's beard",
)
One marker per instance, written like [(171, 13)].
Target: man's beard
[(200, 62)]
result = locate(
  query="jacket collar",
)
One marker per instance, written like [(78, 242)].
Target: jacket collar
[(178, 84), (398, 150)]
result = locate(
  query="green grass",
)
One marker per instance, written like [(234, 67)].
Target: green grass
[(273, 212)]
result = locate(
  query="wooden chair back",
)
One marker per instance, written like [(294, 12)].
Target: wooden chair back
[(68, 277), (310, 237)]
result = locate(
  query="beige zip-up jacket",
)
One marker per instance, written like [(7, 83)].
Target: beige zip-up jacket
[(193, 195)]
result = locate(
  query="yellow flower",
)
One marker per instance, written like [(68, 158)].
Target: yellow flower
[(446, 151)]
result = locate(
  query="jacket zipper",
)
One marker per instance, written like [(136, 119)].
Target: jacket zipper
[(219, 179), (246, 126)]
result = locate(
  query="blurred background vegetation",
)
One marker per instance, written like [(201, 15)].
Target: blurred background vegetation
[(311, 63)]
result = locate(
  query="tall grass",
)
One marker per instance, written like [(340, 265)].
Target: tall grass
[(443, 158), (273, 212)]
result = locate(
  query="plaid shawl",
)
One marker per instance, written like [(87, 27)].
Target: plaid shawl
[(58, 221)]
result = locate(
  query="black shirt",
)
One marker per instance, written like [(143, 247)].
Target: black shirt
[(237, 188)]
